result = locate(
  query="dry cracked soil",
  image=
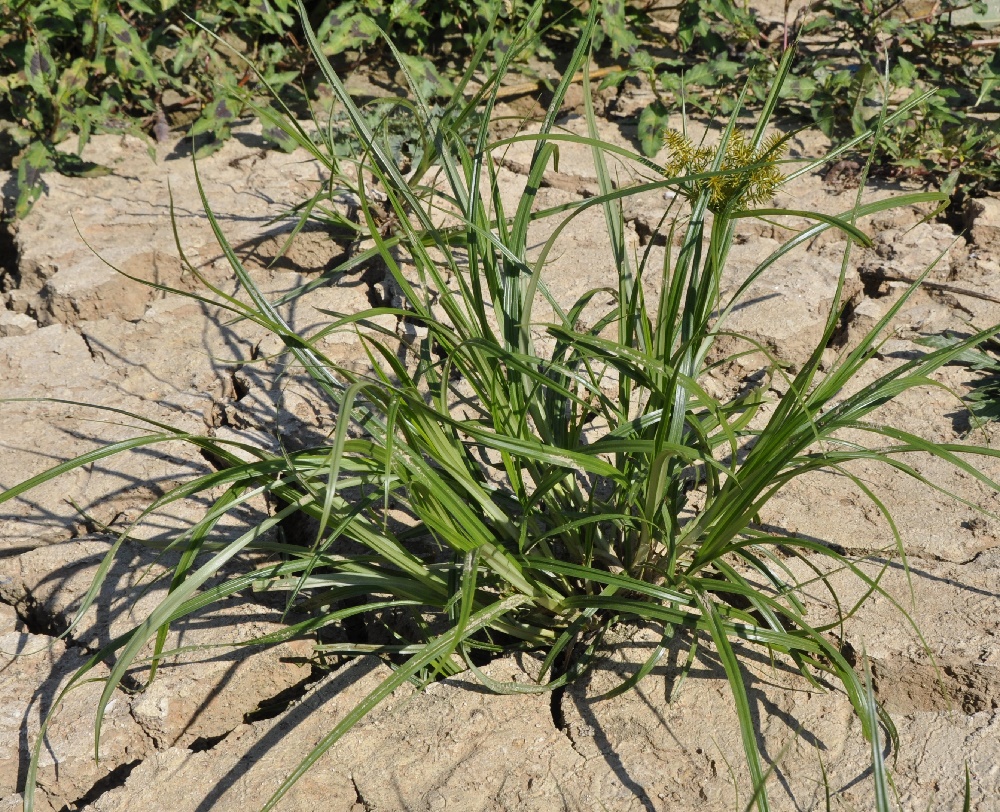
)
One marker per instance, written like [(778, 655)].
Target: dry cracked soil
[(220, 727)]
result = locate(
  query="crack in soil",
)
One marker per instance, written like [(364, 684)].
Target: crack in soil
[(10, 259), (359, 798), (37, 620), (558, 715), (866, 554), (113, 780), (95, 354)]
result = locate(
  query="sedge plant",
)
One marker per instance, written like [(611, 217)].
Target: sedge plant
[(524, 485)]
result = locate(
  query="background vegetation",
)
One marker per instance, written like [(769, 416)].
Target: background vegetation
[(69, 68), (844, 49)]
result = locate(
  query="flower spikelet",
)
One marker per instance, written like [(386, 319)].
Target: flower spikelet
[(748, 176)]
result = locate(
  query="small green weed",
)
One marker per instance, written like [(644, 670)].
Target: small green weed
[(984, 399), (76, 67), (515, 493)]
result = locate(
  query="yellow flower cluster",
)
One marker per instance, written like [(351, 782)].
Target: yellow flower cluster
[(737, 189)]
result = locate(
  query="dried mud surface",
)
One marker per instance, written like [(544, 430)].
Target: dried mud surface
[(220, 727)]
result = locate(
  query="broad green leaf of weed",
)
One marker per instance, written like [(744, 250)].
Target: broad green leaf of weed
[(342, 30), (34, 161), (39, 66)]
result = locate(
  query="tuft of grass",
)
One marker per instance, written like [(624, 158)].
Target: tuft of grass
[(508, 492)]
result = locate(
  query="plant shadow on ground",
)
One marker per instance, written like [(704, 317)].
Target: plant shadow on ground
[(665, 730)]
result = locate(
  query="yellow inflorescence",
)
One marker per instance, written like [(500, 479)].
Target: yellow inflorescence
[(735, 189)]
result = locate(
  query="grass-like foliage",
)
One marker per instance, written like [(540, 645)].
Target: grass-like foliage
[(525, 485)]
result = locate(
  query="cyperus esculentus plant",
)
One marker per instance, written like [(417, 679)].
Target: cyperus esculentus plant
[(497, 488)]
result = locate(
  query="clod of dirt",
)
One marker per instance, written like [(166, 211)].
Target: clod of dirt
[(10, 621), (982, 221), (35, 669), (16, 324), (313, 251)]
